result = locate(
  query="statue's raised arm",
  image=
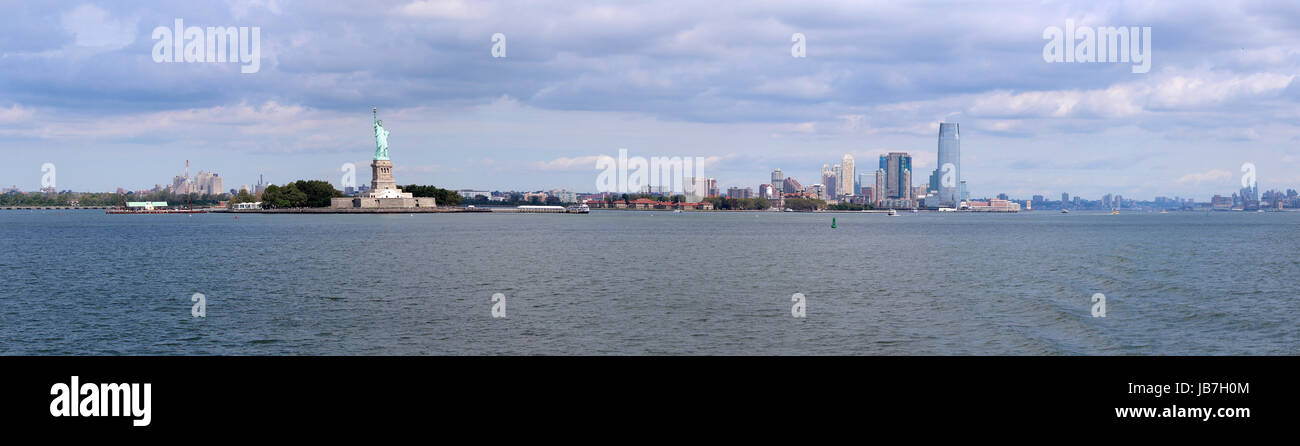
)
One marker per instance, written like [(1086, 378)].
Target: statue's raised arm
[(381, 138)]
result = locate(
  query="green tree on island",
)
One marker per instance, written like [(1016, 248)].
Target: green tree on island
[(442, 197), (299, 194), (739, 204), (243, 197)]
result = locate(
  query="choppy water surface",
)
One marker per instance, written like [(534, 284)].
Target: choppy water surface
[(620, 282)]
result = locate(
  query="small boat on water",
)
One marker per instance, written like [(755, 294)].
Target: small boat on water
[(893, 213), (1065, 211), (1114, 212), (579, 209)]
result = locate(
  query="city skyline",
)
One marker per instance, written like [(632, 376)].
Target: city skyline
[(581, 81)]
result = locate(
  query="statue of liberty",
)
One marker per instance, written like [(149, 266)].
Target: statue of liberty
[(381, 137)]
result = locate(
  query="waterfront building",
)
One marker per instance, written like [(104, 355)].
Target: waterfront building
[(791, 185), (815, 191), (994, 205), (565, 196), (470, 194)]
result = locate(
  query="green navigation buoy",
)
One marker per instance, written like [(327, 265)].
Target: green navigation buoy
[(832, 222)]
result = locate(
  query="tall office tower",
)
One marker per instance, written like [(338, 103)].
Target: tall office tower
[(949, 164), (778, 180), (878, 194), (905, 188), (829, 184), (898, 175), (847, 179), (828, 180), (1065, 199)]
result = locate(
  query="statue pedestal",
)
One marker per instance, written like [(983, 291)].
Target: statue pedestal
[(381, 175), (384, 193)]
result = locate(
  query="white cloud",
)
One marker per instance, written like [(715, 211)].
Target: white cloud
[(445, 9), (574, 163), (799, 87), (1213, 176), (94, 28), (14, 114)]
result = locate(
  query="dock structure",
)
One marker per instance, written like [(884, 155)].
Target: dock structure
[(527, 209), (51, 208), (439, 210)]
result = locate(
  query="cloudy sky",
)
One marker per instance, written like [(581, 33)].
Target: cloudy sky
[(79, 88)]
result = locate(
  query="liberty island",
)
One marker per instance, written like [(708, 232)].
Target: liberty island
[(384, 193)]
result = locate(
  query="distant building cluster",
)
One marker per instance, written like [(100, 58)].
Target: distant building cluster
[(890, 185), (205, 183)]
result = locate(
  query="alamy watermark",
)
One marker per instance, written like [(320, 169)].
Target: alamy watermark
[(1248, 175), (195, 44), (76, 399), (1106, 44), (349, 179), (498, 45), (1098, 305), (498, 306), (656, 174), (800, 307), (200, 308), (48, 177), (799, 49)]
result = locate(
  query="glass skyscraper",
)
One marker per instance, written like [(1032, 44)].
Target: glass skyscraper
[(898, 175), (949, 177)]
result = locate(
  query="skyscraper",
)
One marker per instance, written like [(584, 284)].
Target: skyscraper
[(878, 192), (778, 179), (948, 173), (898, 175), (846, 181), (837, 174), (828, 181)]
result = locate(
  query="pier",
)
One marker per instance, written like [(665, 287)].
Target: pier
[(52, 208), (441, 210)]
